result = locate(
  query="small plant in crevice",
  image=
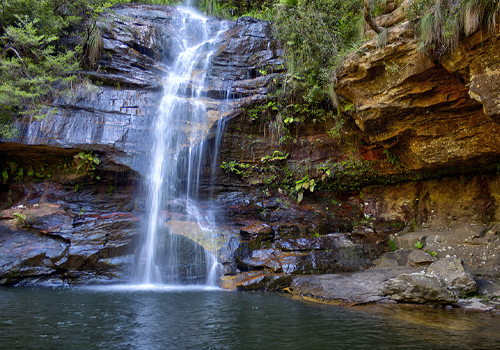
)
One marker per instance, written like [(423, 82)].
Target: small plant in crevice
[(433, 254), (78, 187), (22, 220), (302, 185), (87, 162), (392, 68), (392, 245), (392, 158), (110, 190), (412, 225), (234, 167), (5, 176), (277, 155), (419, 245)]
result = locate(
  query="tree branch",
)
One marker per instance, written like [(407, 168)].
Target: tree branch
[(368, 18), (20, 58)]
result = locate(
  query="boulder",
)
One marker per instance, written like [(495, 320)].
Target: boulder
[(255, 280), (324, 254), (444, 281), (409, 240), (452, 271), (359, 287), (419, 288), (419, 258)]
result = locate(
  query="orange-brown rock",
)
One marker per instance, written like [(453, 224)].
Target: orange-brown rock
[(430, 114)]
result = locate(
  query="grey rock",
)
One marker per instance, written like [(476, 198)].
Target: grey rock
[(474, 304), (453, 272), (335, 254), (419, 258), (358, 287), (419, 288)]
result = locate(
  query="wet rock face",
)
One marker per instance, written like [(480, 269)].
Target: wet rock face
[(248, 47), (113, 122), (80, 234), (430, 115), (114, 116), (326, 254), (136, 42), (58, 235)]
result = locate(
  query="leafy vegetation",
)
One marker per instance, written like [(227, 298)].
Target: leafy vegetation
[(35, 65), (23, 220), (433, 254), (443, 21), (302, 185), (17, 169), (234, 167), (315, 34), (392, 245), (30, 67)]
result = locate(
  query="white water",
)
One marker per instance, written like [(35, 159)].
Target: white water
[(177, 158)]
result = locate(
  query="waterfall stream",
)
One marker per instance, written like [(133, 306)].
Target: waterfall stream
[(177, 161)]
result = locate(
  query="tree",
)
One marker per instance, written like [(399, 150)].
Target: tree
[(29, 67), (34, 64), (368, 18)]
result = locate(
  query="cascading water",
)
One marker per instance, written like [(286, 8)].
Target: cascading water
[(177, 161)]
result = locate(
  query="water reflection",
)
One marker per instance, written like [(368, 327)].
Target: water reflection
[(161, 318)]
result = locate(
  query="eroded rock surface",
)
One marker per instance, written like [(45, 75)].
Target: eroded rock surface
[(443, 282), (419, 288), (58, 235), (429, 114)]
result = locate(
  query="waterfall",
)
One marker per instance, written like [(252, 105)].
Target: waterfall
[(177, 161)]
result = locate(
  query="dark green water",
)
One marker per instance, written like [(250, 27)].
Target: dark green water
[(163, 318)]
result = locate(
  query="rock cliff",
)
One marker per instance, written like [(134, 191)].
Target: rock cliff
[(418, 161)]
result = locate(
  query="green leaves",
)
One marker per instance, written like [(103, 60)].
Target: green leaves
[(29, 67), (32, 58), (277, 156), (235, 167), (313, 33), (86, 163), (302, 185)]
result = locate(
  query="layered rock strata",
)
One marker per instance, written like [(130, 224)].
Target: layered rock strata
[(424, 138)]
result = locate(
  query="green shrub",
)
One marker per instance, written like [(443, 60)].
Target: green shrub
[(445, 20), (34, 65), (29, 68), (392, 246), (315, 33)]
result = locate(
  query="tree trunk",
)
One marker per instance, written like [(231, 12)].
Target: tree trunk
[(368, 18)]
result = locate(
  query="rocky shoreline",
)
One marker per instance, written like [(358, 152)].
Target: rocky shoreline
[(361, 288)]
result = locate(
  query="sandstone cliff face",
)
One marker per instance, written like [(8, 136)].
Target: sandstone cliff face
[(436, 116), (430, 114), (422, 155)]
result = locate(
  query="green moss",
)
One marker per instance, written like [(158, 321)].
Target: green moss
[(19, 169)]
